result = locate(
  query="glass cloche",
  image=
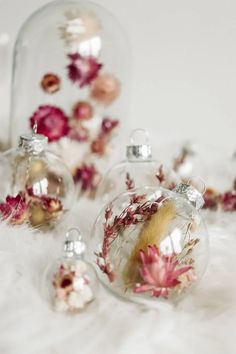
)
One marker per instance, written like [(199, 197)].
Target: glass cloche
[(73, 59), (139, 169), (151, 244), (37, 188)]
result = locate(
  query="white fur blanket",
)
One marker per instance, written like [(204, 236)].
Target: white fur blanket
[(204, 322)]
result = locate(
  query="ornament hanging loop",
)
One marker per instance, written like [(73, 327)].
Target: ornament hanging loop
[(139, 134), (74, 245)]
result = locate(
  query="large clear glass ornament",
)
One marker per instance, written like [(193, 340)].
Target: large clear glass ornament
[(70, 283), (37, 188), (139, 169), (74, 59), (151, 244)]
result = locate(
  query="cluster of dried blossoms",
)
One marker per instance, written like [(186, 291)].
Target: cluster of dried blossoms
[(158, 273), (226, 201), (25, 207), (71, 284), (85, 72)]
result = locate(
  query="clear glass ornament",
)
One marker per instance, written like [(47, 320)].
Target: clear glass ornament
[(151, 244), (70, 283), (37, 187), (139, 169), (74, 59)]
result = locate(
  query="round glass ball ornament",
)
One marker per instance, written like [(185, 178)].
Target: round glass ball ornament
[(151, 244), (74, 59), (139, 169), (70, 283), (38, 187)]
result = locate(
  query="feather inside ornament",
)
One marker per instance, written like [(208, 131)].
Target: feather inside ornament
[(152, 232)]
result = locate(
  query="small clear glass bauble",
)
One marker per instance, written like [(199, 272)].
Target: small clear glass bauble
[(70, 283), (151, 244), (139, 169), (37, 188), (74, 59)]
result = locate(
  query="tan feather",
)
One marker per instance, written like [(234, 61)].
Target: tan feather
[(152, 232)]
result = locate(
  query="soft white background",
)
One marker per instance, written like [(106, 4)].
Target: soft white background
[(184, 60)]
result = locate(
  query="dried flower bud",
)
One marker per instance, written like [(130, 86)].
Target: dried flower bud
[(50, 83), (82, 111)]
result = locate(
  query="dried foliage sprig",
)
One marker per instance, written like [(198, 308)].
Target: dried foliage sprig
[(137, 211)]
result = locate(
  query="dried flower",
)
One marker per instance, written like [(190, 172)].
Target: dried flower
[(228, 201), (98, 146), (82, 111), (108, 125), (87, 176), (15, 209), (79, 26), (50, 83), (159, 273), (211, 199), (79, 133), (161, 175), (51, 122), (129, 182), (82, 70), (100, 143), (105, 89)]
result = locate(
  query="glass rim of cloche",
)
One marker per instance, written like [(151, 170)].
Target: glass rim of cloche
[(146, 202)]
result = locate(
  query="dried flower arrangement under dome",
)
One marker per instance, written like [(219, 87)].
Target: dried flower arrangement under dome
[(73, 59), (151, 243), (37, 188), (218, 172)]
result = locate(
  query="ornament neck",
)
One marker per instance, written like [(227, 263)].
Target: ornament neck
[(33, 143), (139, 149), (74, 247), (191, 194)]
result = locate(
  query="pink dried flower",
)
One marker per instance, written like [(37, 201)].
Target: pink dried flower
[(108, 125), (51, 122), (15, 208), (228, 201), (98, 146), (50, 83), (87, 176), (82, 70), (105, 89), (79, 133), (159, 273)]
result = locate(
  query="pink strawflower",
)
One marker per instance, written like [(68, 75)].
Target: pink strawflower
[(87, 176), (105, 89), (79, 133), (228, 201), (108, 125), (82, 70), (159, 273), (15, 209), (51, 122)]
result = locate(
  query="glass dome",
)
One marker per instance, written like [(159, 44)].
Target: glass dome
[(37, 188), (151, 244), (139, 169), (73, 58)]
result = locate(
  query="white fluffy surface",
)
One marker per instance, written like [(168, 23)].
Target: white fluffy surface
[(204, 322)]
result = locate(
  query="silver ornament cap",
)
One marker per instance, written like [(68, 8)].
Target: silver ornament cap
[(141, 151), (74, 245), (33, 143), (191, 194)]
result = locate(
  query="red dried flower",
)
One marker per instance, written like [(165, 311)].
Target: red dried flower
[(228, 201), (211, 198), (15, 208), (50, 83), (108, 125), (159, 273), (129, 182), (87, 176), (82, 70), (82, 111), (51, 122), (161, 175)]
